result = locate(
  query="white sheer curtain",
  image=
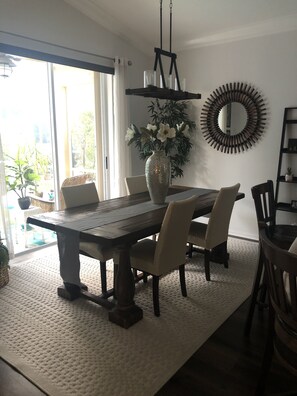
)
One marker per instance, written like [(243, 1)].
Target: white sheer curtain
[(121, 153), (4, 223)]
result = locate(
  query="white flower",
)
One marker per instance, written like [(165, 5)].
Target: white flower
[(130, 134), (184, 128), (186, 131), (165, 132), (151, 127), (179, 126)]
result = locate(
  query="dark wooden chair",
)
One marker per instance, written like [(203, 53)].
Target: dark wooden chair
[(281, 276), (281, 234)]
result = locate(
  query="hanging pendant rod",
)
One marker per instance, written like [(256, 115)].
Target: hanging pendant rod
[(161, 27), (170, 41)]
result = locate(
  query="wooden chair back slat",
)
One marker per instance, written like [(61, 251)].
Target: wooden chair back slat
[(263, 195)]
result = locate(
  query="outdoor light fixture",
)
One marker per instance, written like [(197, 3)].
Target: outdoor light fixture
[(6, 65), (166, 89)]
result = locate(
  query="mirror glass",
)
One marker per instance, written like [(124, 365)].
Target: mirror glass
[(232, 118)]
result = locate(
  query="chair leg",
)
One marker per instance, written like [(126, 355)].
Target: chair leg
[(145, 277), (156, 295), (206, 264), (190, 251), (225, 254), (255, 291), (103, 276), (182, 280), (268, 354)]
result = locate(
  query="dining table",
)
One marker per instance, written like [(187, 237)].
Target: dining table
[(117, 224)]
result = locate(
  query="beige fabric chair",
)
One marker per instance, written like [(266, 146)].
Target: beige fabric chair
[(215, 233), (136, 184), (73, 181), (84, 194), (169, 252)]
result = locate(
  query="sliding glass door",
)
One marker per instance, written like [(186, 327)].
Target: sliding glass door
[(51, 120)]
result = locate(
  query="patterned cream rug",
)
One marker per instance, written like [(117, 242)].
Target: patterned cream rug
[(70, 348)]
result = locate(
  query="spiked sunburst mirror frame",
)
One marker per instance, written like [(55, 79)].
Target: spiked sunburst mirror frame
[(255, 107)]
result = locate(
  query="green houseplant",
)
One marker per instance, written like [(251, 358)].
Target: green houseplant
[(20, 177), (170, 130), (4, 264)]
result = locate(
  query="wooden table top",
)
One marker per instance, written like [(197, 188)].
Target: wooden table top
[(124, 231)]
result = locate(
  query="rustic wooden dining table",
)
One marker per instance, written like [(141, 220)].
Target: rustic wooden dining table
[(117, 224)]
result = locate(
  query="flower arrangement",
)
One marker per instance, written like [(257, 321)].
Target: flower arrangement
[(170, 130)]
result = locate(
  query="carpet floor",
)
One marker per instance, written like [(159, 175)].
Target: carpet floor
[(70, 348)]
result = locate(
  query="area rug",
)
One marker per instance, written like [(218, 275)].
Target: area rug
[(70, 348)]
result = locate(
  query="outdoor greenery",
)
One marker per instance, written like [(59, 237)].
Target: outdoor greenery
[(83, 142), (170, 130)]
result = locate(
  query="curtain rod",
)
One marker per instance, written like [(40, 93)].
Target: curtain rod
[(61, 46)]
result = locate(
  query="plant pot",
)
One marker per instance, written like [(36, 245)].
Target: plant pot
[(157, 173), (24, 203), (4, 276)]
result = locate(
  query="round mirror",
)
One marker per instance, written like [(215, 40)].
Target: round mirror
[(233, 117)]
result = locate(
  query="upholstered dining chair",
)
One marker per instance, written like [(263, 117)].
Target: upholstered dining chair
[(73, 181), (282, 235), (84, 194), (281, 276), (136, 184), (215, 233), (160, 257)]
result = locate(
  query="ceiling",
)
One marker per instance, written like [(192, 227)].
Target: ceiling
[(195, 22)]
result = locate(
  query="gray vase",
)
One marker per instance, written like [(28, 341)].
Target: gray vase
[(157, 172)]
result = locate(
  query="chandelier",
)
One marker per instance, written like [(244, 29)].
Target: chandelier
[(165, 91)]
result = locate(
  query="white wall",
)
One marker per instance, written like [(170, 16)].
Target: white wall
[(270, 64)]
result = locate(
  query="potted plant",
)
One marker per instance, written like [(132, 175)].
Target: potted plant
[(20, 176), (289, 175), (170, 130), (4, 264)]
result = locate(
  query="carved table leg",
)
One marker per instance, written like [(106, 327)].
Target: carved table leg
[(126, 312)]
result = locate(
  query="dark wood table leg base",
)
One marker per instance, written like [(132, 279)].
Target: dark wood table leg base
[(69, 293), (126, 317)]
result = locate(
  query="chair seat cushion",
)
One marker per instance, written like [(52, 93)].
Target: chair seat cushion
[(197, 233), (142, 256), (94, 250)]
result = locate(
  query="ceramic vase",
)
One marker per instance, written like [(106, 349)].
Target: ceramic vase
[(157, 172)]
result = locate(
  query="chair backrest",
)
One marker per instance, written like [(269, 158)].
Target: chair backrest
[(218, 224), (263, 195), (82, 194), (283, 297), (136, 184), (73, 181), (172, 242)]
